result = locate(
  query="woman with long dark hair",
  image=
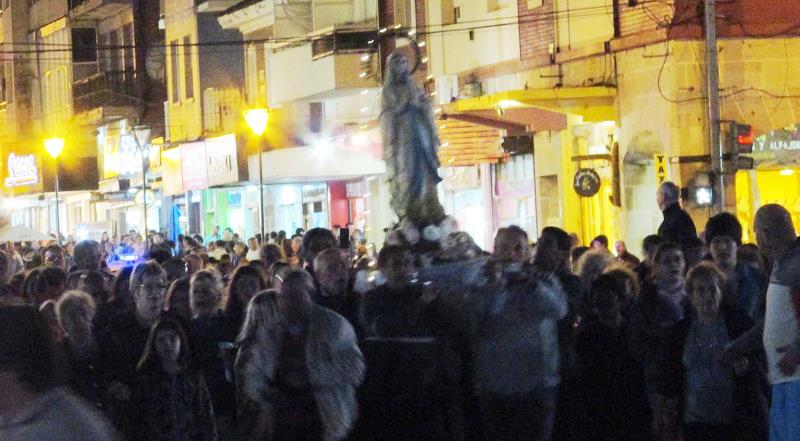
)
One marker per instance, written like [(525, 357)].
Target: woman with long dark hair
[(252, 419), (176, 301), (245, 283), (171, 398)]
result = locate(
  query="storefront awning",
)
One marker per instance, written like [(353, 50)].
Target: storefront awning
[(463, 143), (534, 110), (313, 164)]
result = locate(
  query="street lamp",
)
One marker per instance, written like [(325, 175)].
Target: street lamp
[(141, 136), (54, 147), (257, 120)]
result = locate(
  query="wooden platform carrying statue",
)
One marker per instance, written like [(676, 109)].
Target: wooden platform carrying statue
[(410, 145)]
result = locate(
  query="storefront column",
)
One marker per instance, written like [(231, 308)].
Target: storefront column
[(571, 201)]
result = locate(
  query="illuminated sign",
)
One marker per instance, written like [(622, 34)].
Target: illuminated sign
[(22, 170), (121, 156), (193, 166), (660, 162), (221, 160)]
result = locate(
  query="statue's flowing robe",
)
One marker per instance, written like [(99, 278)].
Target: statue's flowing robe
[(410, 148)]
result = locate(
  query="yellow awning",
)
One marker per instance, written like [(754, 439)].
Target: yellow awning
[(594, 104)]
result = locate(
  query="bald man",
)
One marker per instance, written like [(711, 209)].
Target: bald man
[(776, 236)]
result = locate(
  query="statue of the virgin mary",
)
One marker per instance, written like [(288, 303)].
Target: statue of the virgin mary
[(410, 145)]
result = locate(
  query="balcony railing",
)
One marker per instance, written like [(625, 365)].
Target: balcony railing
[(105, 89), (342, 42), (329, 65)]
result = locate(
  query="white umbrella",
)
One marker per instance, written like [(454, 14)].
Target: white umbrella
[(21, 233)]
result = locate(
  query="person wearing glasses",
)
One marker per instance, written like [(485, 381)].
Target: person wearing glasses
[(123, 340), (53, 255)]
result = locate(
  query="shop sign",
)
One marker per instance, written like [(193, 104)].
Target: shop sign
[(586, 182), (778, 145), (193, 166), (22, 170), (115, 196), (121, 157), (221, 160), (660, 162)]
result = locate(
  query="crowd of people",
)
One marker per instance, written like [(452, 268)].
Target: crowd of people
[(307, 338)]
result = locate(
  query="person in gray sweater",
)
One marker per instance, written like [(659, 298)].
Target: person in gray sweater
[(514, 343)]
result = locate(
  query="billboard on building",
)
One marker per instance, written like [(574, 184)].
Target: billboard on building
[(193, 166), (221, 160)]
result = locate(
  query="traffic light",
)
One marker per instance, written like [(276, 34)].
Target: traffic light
[(740, 142)]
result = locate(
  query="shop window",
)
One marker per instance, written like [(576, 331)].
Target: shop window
[(127, 48), (175, 71), (255, 78), (3, 85), (549, 200), (404, 13), (316, 113), (84, 45), (187, 67), (518, 168), (449, 13)]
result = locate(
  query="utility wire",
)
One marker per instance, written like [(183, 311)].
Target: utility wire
[(587, 12)]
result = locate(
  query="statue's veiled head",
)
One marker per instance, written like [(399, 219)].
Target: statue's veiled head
[(397, 68)]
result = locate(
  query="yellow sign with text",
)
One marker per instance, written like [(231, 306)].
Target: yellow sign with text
[(660, 162)]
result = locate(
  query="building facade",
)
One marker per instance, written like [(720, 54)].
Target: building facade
[(611, 86)]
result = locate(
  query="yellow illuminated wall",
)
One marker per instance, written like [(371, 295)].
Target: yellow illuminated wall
[(598, 215), (755, 188)]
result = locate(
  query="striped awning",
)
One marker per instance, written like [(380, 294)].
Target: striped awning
[(464, 143)]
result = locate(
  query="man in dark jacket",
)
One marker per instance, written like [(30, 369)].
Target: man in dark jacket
[(334, 288), (677, 226), (410, 390)]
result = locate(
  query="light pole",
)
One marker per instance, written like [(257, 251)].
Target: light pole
[(54, 147), (141, 136), (257, 120)]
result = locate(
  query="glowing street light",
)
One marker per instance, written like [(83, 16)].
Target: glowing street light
[(257, 119), (54, 147)]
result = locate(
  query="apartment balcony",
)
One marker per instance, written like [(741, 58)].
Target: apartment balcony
[(222, 110), (96, 9), (214, 5), (109, 94), (327, 67)]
